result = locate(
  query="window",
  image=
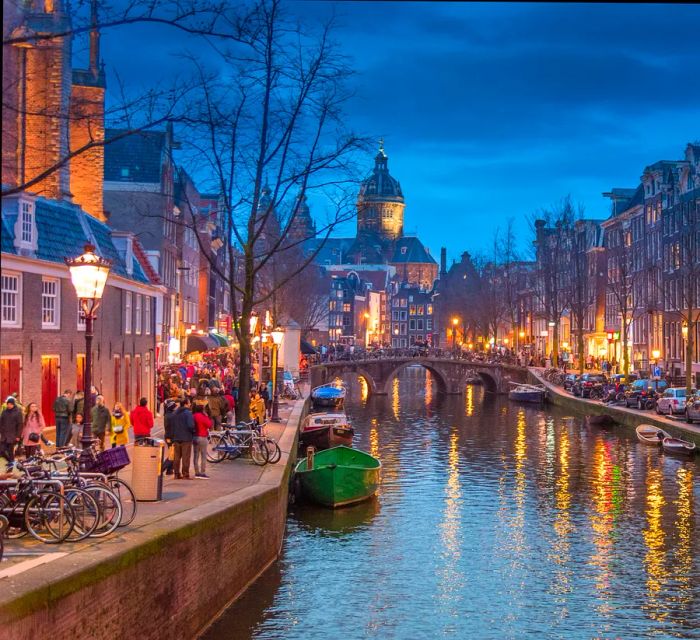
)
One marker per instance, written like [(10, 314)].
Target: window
[(403, 251), (139, 314), (419, 324), (429, 324), (420, 309), (412, 325), (346, 307), (127, 312), (429, 310), (81, 317), (49, 303), (147, 301), (11, 299), (412, 310), (125, 172), (27, 209)]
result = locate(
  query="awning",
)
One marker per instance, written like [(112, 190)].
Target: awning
[(200, 343), (306, 348), (220, 339)]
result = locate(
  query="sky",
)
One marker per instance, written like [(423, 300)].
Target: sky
[(493, 111)]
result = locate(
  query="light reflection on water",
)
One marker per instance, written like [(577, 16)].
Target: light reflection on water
[(493, 521)]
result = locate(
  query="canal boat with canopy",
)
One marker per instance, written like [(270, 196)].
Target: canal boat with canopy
[(339, 476), (678, 447), (325, 430), (651, 435), (328, 396), (527, 393)]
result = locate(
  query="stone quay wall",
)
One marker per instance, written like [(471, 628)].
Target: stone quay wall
[(169, 579)]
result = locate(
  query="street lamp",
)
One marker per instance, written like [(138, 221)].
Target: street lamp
[(88, 273), (455, 322), (277, 335), (684, 331)]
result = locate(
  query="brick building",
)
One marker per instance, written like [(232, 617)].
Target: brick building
[(42, 348)]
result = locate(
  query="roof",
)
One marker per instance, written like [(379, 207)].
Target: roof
[(332, 250), (134, 158), (63, 231), (411, 249), (379, 185)]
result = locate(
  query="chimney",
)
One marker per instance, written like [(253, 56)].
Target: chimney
[(443, 262)]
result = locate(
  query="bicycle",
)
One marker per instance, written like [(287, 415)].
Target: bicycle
[(274, 451), (230, 443)]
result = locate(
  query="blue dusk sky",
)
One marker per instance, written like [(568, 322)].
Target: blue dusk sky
[(492, 111)]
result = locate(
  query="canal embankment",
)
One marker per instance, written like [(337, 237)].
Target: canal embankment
[(171, 572), (627, 417)]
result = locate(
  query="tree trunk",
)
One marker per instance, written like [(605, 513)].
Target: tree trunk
[(580, 346), (242, 408), (555, 345), (625, 351)]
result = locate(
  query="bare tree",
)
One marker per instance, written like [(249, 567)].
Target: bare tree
[(267, 127), (553, 242)]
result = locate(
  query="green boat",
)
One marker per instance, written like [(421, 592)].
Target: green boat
[(338, 476)]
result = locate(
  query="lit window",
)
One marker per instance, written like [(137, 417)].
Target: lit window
[(125, 172), (11, 313), (49, 303), (127, 312)]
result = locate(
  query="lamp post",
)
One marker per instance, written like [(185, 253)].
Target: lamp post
[(455, 322), (88, 274), (277, 335)]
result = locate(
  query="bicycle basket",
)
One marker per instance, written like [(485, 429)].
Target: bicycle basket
[(112, 460)]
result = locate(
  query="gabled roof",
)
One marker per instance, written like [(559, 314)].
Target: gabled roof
[(134, 158), (332, 250), (414, 251), (63, 230)]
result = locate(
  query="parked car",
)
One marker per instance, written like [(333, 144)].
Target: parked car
[(640, 391), (672, 401), (582, 387), (570, 380), (692, 409)]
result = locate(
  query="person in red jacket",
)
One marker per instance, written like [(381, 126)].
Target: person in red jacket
[(231, 407), (202, 424), (141, 420)]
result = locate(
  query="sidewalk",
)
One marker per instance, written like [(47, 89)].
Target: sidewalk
[(631, 417), (226, 478)]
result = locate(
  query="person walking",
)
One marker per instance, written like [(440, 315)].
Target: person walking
[(202, 424), (218, 407), (141, 420), (183, 432), (63, 410), (169, 407), (77, 430), (33, 430), (10, 429), (101, 421), (119, 426)]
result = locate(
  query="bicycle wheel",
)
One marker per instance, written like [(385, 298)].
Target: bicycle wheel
[(15, 519), (273, 450), (127, 498), (259, 452), (216, 448), (49, 517), (110, 510), (87, 514)]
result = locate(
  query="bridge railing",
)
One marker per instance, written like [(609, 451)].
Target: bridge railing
[(403, 354)]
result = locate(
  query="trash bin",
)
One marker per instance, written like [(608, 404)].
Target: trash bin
[(147, 465)]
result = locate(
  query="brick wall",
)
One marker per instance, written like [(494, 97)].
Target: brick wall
[(31, 342), (87, 168)]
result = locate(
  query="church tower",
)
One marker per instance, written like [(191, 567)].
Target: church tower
[(380, 203)]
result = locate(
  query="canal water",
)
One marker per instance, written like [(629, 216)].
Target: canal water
[(494, 520)]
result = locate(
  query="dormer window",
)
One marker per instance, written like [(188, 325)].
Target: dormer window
[(125, 172), (26, 235), (403, 251)]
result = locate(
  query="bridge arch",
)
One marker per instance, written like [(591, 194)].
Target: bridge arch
[(440, 378), (489, 382)]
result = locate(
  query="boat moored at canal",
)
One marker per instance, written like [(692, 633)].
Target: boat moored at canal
[(528, 393), (339, 476)]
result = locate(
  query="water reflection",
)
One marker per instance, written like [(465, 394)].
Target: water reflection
[(494, 521)]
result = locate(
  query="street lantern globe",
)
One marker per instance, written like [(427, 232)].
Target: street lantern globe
[(522, 334), (455, 321), (277, 335), (684, 330), (88, 273), (656, 354)]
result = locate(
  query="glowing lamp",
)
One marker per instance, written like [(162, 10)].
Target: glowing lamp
[(88, 274), (277, 336), (455, 321), (522, 334), (684, 330), (656, 354)]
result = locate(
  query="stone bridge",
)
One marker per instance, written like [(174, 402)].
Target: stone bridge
[(451, 375)]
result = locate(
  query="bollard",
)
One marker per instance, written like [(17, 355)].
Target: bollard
[(310, 458)]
